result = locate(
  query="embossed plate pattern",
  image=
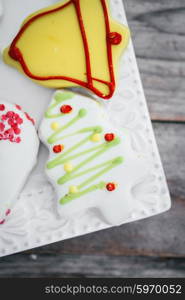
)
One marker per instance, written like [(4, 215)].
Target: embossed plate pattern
[(33, 221)]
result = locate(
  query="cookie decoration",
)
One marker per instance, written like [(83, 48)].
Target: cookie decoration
[(71, 43), (86, 162), (18, 153)]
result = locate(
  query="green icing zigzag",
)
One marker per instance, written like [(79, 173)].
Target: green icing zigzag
[(69, 156)]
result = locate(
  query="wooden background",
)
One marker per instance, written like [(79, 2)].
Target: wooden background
[(154, 247)]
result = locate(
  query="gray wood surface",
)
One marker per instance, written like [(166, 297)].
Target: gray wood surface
[(158, 33), (153, 247), (47, 265)]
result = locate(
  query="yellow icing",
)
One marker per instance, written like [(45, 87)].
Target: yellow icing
[(55, 126), (53, 45), (73, 189), (68, 167), (96, 138)]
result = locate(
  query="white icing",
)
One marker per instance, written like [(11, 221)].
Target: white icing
[(14, 12), (1, 8), (16, 160), (116, 205)]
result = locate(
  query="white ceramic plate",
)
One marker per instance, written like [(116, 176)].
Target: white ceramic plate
[(33, 221)]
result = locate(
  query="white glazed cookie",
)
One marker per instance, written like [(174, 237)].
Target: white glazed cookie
[(91, 164), (18, 152), (1, 8)]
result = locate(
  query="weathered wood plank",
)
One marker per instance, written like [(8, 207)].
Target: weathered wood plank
[(158, 35), (171, 141), (164, 89), (134, 7), (59, 266)]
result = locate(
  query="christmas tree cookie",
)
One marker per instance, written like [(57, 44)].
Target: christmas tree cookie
[(71, 43), (88, 157), (18, 153)]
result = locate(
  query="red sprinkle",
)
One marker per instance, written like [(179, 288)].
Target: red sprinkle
[(18, 107), (19, 121), (8, 133), (8, 212), (16, 117), (2, 222), (2, 126), (110, 186), (11, 122), (66, 109), (18, 140), (4, 118), (109, 137), (2, 107), (17, 130), (10, 114), (114, 38), (58, 148)]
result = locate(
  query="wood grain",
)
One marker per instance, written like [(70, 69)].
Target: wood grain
[(158, 34), (171, 138), (61, 266)]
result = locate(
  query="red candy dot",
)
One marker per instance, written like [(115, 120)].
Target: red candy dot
[(109, 137), (110, 186), (58, 148), (66, 109), (2, 126), (2, 107), (114, 38)]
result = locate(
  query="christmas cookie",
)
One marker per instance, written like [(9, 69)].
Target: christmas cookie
[(71, 43), (90, 162), (18, 152)]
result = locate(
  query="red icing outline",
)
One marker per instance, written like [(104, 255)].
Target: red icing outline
[(16, 54), (7, 214)]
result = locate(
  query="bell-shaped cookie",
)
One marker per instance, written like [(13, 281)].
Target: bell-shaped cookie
[(71, 43)]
